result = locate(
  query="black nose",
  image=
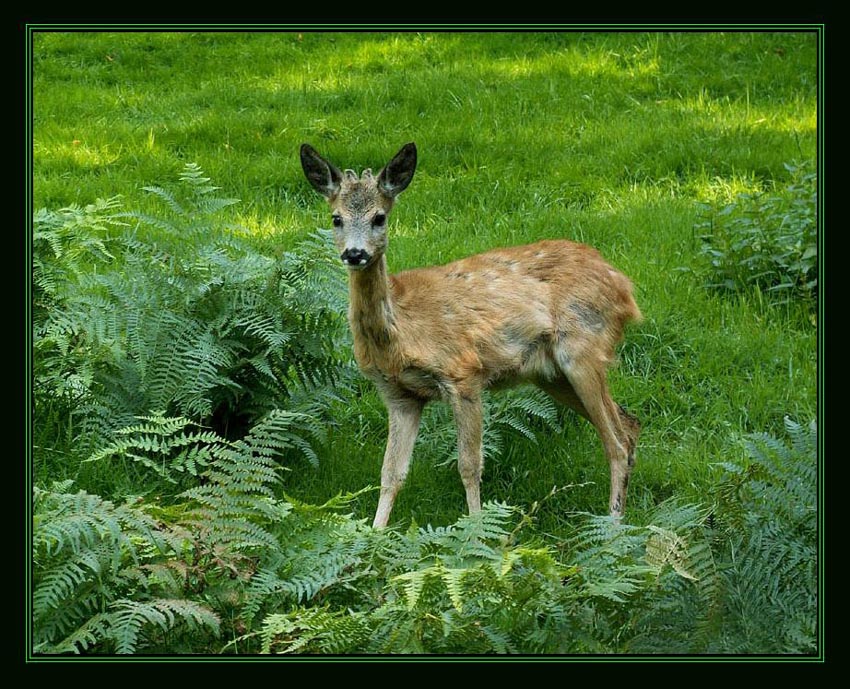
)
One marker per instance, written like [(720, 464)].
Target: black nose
[(355, 257)]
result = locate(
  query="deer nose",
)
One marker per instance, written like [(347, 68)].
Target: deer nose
[(355, 257)]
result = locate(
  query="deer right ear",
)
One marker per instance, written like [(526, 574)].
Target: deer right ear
[(395, 177), (322, 175)]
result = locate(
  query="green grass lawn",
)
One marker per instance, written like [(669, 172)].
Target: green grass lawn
[(606, 138)]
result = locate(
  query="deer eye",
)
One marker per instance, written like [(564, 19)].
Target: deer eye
[(379, 219), (337, 221)]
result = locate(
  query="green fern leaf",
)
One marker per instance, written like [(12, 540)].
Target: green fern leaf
[(130, 619), (412, 585)]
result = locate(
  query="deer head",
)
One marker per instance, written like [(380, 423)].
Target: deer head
[(360, 205)]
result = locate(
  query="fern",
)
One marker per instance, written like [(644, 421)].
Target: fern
[(88, 555), (63, 239), (197, 193), (321, 549), (436, 604), (177, 313), (129, 619), (236, 503), (296, 578), (100, 567), (754, 578), (771, 571), (318, 630), (516, 414), (640, 578), (163, 445), (468, 590)]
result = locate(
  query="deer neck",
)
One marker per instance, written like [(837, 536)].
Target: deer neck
[(371, 312)]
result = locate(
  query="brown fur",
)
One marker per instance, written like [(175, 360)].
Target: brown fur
[(549, 313)]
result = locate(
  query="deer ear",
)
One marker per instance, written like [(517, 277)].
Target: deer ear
[(323, 175), (398, 173)]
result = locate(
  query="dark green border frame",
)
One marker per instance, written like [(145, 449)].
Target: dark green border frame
[(30, 28)]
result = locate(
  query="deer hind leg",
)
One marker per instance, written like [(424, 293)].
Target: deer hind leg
[(468, 416), (562, 391), (631, 426), (586, 390), (404, 418)]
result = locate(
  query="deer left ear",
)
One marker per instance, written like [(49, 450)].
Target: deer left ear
[(323, 175), (398, 173)]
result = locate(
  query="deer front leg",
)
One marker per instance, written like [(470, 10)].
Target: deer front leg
[(468, 416), (404, 418)]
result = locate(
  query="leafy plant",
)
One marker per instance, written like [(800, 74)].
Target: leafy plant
[(186, 318), (107, 577), (295, 578), (760, 588), (771, 557), (99, 568), (472, 588), (764, 240)]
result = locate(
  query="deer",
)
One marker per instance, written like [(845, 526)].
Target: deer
[(548, 313)]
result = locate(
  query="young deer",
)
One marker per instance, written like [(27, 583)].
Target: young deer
[(549, 313)]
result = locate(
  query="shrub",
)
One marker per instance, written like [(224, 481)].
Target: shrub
[(763, 594), (764, 240), (137, 314)]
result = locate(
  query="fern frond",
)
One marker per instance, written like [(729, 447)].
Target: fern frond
[(153, 221), (412, 585), (238, 502), (86, 553), (321, 550), (209, 206), (167, 197), (88, 635), (453, 581), (314, 630), (518, 413), (771, 579), (78, 521), (129, 619)]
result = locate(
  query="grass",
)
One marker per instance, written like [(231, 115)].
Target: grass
[(607, 138)]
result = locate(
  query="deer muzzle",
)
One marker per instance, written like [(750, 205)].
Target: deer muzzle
[(355, 258)]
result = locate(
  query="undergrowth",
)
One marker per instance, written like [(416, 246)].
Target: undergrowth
[(183, 372), (765, 240), (176, 313), (227, 565)]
